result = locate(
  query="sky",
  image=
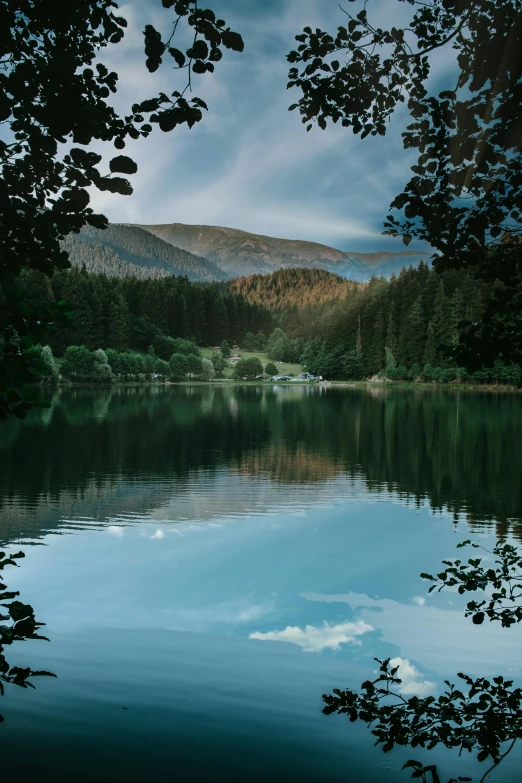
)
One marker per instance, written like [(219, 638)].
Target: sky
[(250, 164)]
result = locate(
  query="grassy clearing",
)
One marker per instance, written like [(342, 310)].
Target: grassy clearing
[(283, 368)]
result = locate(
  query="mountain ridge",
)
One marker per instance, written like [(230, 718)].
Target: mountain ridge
[(240, 253), (216, 253)]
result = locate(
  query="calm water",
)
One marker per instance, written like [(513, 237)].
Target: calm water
[(210, 561)]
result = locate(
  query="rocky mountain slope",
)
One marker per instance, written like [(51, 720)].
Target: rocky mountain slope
[(239, 253)]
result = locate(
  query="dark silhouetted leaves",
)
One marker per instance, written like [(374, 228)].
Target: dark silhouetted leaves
[(123, 164), (51, 94), (233, 41), (22, 627), (464, 197), (115, 185), (178, 56), (154, 48), (504, 580)]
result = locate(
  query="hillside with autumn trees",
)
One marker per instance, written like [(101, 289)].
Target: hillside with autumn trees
[(293, 287)]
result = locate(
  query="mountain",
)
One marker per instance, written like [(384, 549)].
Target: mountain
[(239, 253), (386, 264), (122, 251)]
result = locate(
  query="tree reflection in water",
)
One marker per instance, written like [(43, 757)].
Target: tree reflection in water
[(21, 626)]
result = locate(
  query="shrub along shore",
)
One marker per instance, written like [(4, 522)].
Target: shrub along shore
[(187, 365)]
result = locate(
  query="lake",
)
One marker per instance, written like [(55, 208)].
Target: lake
[(210, 560)]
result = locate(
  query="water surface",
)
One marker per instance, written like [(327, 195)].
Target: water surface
[(210, 560)]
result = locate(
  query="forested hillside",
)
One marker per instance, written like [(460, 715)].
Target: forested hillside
[(293, 288), (126, 313), (403, 328), (128, 251)]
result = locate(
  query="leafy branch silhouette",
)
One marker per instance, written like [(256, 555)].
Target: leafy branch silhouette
[(505, 579), (23, 626), (484, 716)]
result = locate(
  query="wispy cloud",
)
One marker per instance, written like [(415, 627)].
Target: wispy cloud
[(250, 164), (313, 638), (401, 625)]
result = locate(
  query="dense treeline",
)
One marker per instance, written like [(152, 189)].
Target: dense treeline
[(130, 251), (405, 327), (126, 313), (293, 288)]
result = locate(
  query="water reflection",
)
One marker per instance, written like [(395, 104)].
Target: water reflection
[(188, 453)]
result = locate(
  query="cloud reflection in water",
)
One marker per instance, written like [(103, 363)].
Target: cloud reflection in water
[(315, 639)]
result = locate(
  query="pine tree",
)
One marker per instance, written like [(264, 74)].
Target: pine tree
[(219, 363), (80, 329), (358, 341), (100, 297), (413, 334), (375, 351), (249, 343), (196, 309), (457, 313), (226, 351), (261, 341), (217, 318), (242, 317), (430, 351), (154, 304), (441, 317), (391, 332), (233, 318), (118, 323)]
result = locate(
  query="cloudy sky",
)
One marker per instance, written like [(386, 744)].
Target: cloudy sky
[(250, 163)]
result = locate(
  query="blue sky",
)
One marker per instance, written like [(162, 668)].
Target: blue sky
[(250, 163)]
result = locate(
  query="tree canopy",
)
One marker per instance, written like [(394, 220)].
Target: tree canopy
[(465, 195), (54, 98), (467, 182)]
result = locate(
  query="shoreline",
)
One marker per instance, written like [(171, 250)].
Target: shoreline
[(423, 385)]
